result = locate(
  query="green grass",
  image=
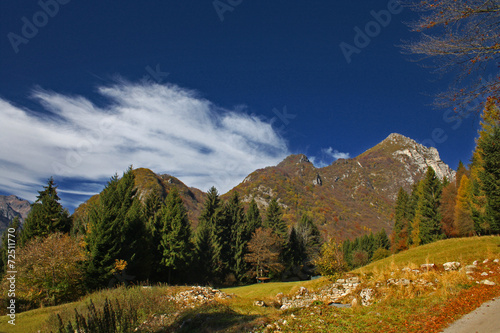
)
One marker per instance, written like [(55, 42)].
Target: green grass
[(463, 250)]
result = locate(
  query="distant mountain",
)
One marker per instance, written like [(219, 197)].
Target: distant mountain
[(350, 196), (347, 198), (10, 207), (148, 182)]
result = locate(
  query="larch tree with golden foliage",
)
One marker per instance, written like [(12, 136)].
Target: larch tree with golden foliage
[(464, 224)]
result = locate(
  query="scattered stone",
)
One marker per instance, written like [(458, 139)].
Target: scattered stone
[(428, 267), (485, 261), (354, 302), (198, 295), (259, 303), (496, 261), (367, 296), (451, 266), (475, 263), (488, 282), (469, 269), (484, 274)]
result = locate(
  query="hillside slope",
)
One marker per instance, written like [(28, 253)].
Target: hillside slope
[(350, 196)]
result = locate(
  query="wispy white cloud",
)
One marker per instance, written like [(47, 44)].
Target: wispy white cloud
[(334, 153), (328, 155), (162, 127)]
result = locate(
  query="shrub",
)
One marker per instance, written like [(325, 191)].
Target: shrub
[(49, 271), (331, 259)]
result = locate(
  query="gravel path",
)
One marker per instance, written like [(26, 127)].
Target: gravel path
[(485, 319)]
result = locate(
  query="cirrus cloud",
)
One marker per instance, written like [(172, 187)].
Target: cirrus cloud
[(166, 128)]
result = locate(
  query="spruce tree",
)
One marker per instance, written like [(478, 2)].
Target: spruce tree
[(116, 231), (427, 220), (274, 219), (175, 231), (401, 221), (46, 215), (490, 178), (490, 119), (207, 247), (241, 233), (254, 219)]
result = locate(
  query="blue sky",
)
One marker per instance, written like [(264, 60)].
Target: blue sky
[(207, 91)]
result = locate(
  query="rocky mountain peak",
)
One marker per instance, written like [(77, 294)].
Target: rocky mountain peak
[(10, 207), (410, 152), (293, 160)]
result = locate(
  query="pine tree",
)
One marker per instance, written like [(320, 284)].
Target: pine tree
[(274, 219), (427, 220), (208, 249), (463, 222), (254, 219), (490, 178), (401, 221), (382, 241), (115, 231), (175, 231), (490, 120), (241, 233), (46, 215)]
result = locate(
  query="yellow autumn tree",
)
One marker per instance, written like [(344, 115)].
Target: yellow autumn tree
[(49, 271), (464, 224), (331, 259)]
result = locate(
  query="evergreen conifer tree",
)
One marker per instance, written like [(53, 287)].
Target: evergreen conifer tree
[(274, 219), (490, 178), (115, 231), (46, 215), (427, 220), (175, 236), (401, 221), (254, 219), (207, 247)]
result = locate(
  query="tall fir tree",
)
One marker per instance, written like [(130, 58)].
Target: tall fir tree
[(400, 233), (490, 119), (427, 220), (254, 218), (274, 219), (490, 178), (207, 250), (241, 233), (46, 216), (116, 231), (175, 237)]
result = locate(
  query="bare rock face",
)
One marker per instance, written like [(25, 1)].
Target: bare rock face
[(419, 155), (11, 207)]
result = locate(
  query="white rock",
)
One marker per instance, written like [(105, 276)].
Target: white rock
[(451, 266), (488, 282)]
